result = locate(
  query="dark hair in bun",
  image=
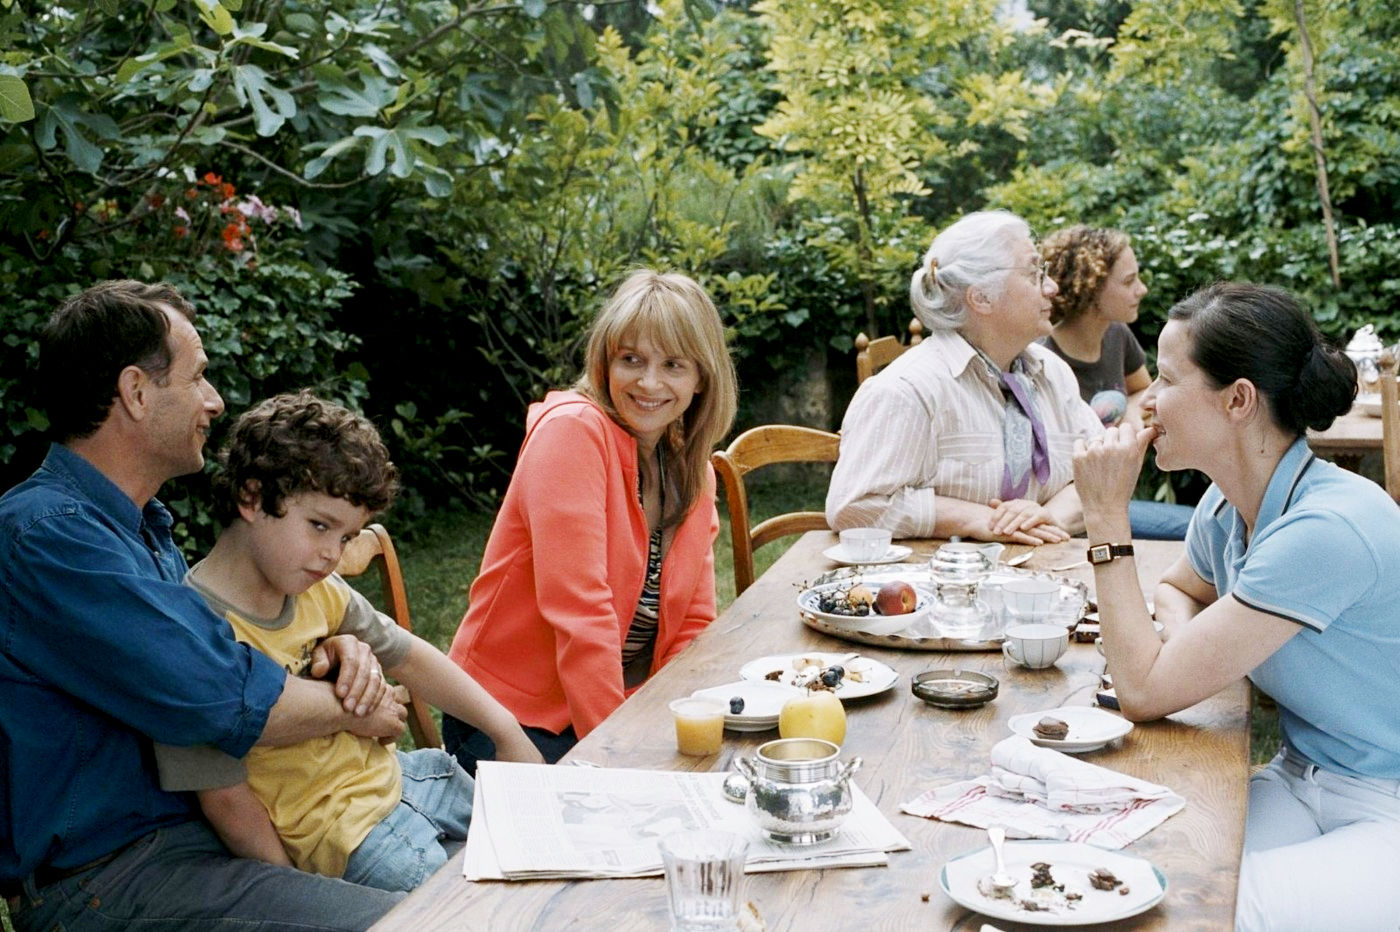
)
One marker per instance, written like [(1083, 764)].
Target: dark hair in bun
[(1263, 334)]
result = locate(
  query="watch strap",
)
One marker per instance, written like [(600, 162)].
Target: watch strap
[(1107, 553)]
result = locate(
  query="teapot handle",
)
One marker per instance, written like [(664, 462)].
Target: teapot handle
[(848, 769)]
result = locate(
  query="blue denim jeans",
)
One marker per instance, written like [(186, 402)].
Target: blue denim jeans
[(470, 745), (1159, 520), (427, 827), (182, 877)]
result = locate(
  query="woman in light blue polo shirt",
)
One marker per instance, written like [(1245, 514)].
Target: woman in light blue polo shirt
[(1291, 576)]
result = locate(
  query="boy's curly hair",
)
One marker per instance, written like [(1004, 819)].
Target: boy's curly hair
[(295, 443)]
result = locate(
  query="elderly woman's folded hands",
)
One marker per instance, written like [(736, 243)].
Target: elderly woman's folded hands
[(1024, 522)]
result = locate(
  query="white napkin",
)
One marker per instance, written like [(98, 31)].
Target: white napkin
[(1039, 793), (1021, 770)]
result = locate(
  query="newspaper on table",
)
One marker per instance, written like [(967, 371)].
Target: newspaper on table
[(535, 821)]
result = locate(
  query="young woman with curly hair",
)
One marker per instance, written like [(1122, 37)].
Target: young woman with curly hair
[(1100, 290)]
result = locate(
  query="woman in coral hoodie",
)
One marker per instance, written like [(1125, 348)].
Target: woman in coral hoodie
[(599, 568)]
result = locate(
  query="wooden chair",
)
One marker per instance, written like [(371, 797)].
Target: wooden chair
[(874, 355), (1390, 423), (374, 548), (761, 446)]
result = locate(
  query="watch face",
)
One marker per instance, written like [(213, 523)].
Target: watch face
[(1100, 554)]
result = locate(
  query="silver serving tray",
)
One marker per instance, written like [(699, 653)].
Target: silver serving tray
[(875, 574), (903, 641)]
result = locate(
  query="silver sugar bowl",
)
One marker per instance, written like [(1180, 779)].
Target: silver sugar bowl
[(799, 791)]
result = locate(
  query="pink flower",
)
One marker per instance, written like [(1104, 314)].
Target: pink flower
[(253, 206)]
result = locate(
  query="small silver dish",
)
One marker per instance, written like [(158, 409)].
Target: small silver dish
[(955, 689)]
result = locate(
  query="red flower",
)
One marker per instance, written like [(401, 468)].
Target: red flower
[(233, 237), (181, 232), (212, 179), (157, 201)]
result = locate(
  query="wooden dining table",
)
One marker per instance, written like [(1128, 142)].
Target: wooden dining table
[(907, 748), (1350, 437)]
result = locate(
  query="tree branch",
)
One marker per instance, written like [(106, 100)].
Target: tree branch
[(286, 173), (1319, 155)]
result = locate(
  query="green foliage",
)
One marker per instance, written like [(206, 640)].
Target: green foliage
[(468, 182), (856, 114)]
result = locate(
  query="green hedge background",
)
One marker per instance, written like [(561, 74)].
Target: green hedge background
[(416, 207)]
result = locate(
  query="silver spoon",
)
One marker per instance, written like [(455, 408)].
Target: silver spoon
[(1001, 880), (1019, 558), (1069, 566)]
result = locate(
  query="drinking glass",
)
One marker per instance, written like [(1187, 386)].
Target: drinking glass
[(704, 871)]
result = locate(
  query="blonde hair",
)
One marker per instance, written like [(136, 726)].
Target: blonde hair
[(674, 312), (1080, 260)]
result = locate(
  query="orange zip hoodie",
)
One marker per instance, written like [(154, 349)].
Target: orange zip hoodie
[(564, 567)]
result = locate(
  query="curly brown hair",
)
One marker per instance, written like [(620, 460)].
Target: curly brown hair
[(1080, 258), (296, 443)]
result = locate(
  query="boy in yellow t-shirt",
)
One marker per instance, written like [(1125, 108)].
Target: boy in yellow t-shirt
[(300, 478)]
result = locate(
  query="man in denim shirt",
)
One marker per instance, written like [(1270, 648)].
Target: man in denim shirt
[(103, 650)]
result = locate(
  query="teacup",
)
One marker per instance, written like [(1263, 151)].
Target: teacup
[(1035, 646), (1029, 600), (865, 543)]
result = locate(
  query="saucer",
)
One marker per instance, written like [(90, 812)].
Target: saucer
[(763, 700), (896, 553), (1089, 728)]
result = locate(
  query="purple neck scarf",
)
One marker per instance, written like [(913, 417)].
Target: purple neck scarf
[(1023, 432)]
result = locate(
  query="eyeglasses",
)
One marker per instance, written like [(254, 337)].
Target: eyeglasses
[(1038, 272)]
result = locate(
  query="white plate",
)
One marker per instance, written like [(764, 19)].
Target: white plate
[(876, 677), (873, 623), (1070, 864), (1089, 728), (763, 700), (837, 554)]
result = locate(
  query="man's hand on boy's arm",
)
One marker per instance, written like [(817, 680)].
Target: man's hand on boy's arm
[(310, 709), (438, 681), (242, 823), (359, 681)]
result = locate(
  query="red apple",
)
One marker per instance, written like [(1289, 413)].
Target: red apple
[(896, 598)]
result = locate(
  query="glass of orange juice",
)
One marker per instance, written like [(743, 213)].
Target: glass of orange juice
[(699, 725)]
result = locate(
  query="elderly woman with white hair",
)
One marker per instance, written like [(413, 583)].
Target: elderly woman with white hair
[(971, 432)]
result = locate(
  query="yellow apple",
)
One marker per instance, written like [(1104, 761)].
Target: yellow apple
[(818, 714)]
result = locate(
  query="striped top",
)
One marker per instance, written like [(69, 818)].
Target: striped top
[(930, 424), (641, 634)]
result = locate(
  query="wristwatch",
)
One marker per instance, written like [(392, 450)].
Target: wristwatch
[(1107, 553)]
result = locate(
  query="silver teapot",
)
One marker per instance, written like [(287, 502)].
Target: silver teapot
[(1364, 350), (958, 569), (799, 791), (962, 564)]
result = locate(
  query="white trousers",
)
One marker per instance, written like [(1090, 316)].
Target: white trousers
[(1321, 851)]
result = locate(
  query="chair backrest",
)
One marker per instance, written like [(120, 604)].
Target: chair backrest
[(373, 547), (874, 355), (1390, 423), (754, 448)]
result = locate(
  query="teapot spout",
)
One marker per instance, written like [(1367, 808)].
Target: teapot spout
[(992, 551)]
